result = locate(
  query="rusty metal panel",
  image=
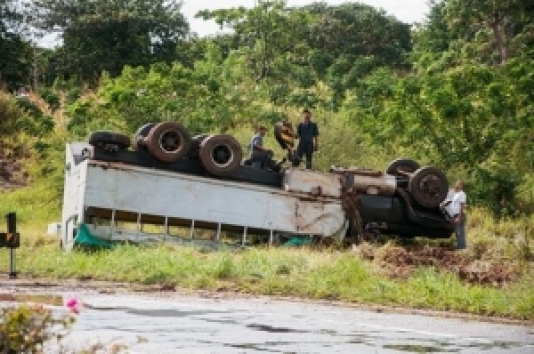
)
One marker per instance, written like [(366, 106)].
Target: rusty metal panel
[(313, 183), (382, 185), (315, 218)]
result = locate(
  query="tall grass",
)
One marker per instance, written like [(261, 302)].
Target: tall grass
[(286, 272)]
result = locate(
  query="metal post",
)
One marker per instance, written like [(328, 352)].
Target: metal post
[(138, 236), (112, 225), (218, 236), (244, 239), (12, 229), (192, 230), (166, 229), (271, 238)]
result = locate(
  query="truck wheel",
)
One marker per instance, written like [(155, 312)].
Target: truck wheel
[(194, 150), (428, 186), (402, 164), (168, 141), (285, 135), (221, 155), (106, 140), (140, 135)]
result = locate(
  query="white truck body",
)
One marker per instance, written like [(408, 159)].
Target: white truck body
[(308, 203)]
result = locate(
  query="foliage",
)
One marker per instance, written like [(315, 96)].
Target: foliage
[(25, 329), (299, 45), (51, 97), (467, 106), (354, 30), (496, 30), (194, 97), (23, 119), (106, 35), (15, 61), (36, 122)]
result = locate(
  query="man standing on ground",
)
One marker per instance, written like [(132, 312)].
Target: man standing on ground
[(457, 211), (259, 155), (308, 135)]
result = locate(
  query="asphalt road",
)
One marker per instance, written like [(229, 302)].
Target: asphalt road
[(173, 323)]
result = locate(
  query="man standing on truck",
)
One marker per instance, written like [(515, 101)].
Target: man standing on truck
[(308, 135), (456, 209), (259, 155)]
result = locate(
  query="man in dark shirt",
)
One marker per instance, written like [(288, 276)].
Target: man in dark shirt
[(259, 155), (308, 135)]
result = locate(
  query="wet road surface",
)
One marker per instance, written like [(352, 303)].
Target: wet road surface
[(171, 323)]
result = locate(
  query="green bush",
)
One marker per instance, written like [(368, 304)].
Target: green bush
[(495, 188), (73, 94), (51, 98), (32, 120)]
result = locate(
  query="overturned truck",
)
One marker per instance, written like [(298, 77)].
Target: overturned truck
[(166, 185)]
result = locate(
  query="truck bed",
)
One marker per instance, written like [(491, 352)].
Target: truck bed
[(105, 191)]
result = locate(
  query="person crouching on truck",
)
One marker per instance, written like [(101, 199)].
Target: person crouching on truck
[(456, 209), (259, 155)]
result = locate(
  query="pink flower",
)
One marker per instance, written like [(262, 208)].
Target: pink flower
[(73, 304)]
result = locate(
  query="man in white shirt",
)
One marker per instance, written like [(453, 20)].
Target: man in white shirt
[(456, 209)]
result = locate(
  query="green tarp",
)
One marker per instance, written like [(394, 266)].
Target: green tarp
[(85, 238), (296, 241)]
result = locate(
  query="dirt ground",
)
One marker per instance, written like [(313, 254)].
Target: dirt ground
[(400, 262), (11, 174)]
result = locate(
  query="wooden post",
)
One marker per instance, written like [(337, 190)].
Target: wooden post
[(12, 229)]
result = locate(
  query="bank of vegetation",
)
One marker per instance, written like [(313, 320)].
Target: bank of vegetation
[(456, 91)]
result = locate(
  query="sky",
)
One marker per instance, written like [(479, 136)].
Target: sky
[(408, 11)]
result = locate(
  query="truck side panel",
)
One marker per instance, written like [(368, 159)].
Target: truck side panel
[(141, 190)]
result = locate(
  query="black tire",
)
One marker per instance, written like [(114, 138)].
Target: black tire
[(221, 155), (428, 186), (194, 150), (105, 140), (168, 141), (284, 134), (140, 135), (403, 164)]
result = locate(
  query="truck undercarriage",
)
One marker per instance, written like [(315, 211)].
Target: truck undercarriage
[(173, 187)]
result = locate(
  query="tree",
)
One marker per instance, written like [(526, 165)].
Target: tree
[(15, 61), (353, 30), (266, 32), (106, 35), (499, 28)]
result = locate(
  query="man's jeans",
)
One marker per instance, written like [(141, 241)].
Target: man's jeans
[(260, 158), (459, 230), (305, 148)]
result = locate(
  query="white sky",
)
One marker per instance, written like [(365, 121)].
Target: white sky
[(408, 11)]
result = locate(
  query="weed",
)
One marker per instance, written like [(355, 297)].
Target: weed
[(27, 328)]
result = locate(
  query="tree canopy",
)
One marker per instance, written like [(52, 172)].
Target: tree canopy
[(106, 35)]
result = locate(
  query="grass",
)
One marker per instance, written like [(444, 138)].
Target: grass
[(307, 273)]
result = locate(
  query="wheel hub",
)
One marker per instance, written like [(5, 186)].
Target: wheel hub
[(430, 186), (222, 155), (170, 141)]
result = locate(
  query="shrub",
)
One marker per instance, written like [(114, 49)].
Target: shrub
[(30, 119), (51, 98), (25, 329)]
